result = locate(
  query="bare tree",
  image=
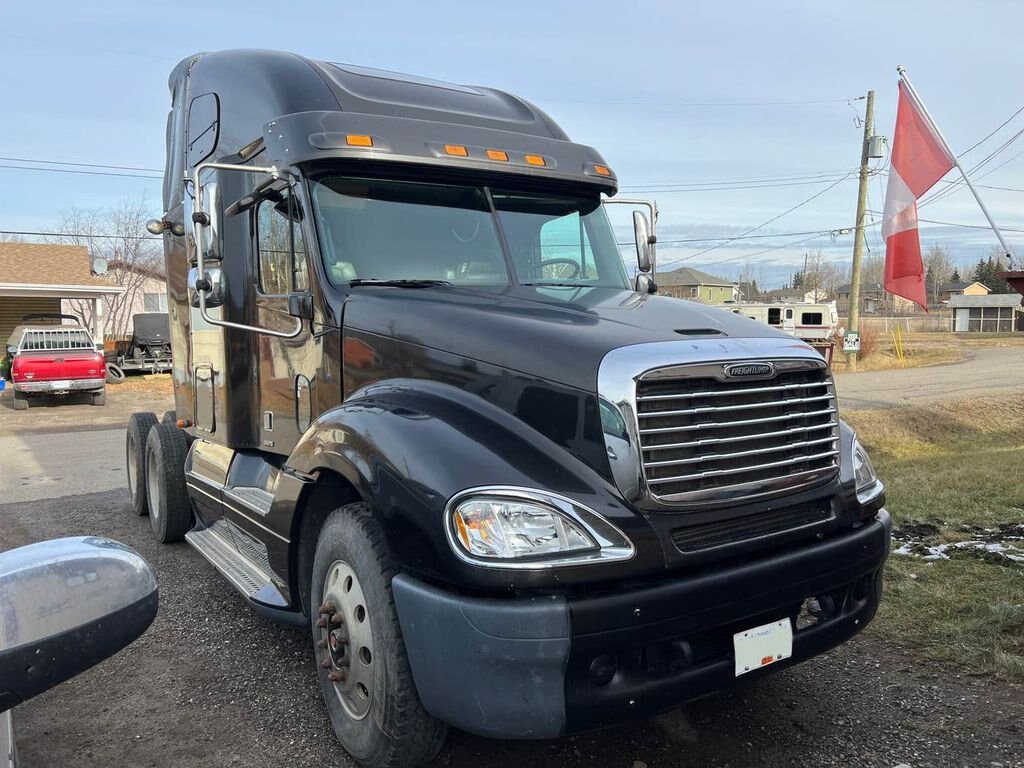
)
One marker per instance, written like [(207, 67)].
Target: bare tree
[(938, 264), (820, 276), (118, 235), (873, 269), (753, 275), (5, 238)]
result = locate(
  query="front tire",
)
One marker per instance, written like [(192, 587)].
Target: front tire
[(170, 511), (361, 660), (139, 425)]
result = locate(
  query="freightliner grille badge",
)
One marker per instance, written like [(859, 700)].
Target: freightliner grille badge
[(749, 370)]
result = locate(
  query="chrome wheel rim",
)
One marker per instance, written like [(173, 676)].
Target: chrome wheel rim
[(345, 640), (154, 489), (133, 469)]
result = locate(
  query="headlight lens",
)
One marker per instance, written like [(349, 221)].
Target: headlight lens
[(509, 529), (868, 485)]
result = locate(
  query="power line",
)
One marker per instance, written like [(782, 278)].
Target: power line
[(80, 165), (82, 173), (993, 133), (649, 183), (952, 224), (83, 235), (728, 189), (774, 218), (813, 236), (696, 103), (716, 239), (960, 182)]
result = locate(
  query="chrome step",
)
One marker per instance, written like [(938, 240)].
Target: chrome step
[(216, 544), (256, 499)]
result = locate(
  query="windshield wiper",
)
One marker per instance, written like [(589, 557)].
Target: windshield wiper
[(397, 283)]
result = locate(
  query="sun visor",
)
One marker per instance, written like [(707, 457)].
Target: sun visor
[(313, 136)]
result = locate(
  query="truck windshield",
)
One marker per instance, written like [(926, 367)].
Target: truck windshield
[(384, 230)]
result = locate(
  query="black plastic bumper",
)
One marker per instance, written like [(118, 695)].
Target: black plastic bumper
[(542, 667)]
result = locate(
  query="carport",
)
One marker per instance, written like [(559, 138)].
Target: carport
[(35, 278)]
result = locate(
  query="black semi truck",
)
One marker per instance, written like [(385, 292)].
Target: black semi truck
[(421, 410)]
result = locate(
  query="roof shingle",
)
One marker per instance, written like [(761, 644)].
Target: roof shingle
[(42, 264)]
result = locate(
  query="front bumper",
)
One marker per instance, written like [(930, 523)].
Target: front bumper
[(532, 667), (56, 387)]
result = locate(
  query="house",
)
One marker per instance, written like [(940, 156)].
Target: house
[(993, 313), (688, 283), (873, 299), (793, 296), (963, 288), (36, 279), (143, 289)]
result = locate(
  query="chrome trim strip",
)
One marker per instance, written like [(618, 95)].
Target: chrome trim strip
[(739, 454), (727, 392), (741, 470), (612, 544), (622, 368), (735, 492), (739, 439), (743, 407), (234, 509), (741, 422)]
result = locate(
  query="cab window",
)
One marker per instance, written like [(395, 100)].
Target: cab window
[(279, 236)]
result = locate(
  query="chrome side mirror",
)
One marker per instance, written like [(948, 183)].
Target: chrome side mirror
[(67, 605), (642, 235), (213, 285), (210, 226), (644, 283)]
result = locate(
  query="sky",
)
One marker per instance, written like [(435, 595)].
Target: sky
[(727, 114)]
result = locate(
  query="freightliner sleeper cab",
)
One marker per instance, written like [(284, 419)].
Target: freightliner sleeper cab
[(422, 412)]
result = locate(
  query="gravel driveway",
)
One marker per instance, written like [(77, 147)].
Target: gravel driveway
[(213, 684), (987, 371)]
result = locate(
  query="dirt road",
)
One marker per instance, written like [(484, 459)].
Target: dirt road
[(987, 370)]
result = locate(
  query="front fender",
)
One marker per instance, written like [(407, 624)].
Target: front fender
[(408, 446)]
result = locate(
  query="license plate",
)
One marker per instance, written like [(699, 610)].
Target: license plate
[(60, 385), (761, 646)]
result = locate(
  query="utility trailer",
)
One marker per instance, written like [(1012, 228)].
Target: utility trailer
[(147, 351), (421, 411)]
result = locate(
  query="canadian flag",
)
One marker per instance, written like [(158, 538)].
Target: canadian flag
[(920, 158)]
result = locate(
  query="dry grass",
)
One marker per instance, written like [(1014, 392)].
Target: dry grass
[(922, 349), (953, 468), (145, 383)]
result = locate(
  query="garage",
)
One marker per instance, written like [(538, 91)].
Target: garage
[(34, 278), (995, 313)]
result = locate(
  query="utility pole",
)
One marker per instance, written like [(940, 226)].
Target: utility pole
[(858, 233)]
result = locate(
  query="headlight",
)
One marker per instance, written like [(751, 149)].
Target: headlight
[(864, 473), (516, 527)]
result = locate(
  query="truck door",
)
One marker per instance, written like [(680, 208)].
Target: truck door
[(286, 367)]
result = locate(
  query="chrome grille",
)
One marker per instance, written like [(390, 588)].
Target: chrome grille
[(704, 435)]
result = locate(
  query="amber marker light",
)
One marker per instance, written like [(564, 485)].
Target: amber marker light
[(497, 154), (456, 149), (535, 160), (356, 140)]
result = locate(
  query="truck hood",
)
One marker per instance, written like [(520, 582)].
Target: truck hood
[(558, 334)]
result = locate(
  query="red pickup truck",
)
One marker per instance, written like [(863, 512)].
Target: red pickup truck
[(55, 360)]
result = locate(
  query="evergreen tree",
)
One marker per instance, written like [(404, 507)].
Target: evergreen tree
[(955, 277)]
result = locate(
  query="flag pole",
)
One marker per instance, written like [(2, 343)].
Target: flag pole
[(945, 145)]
